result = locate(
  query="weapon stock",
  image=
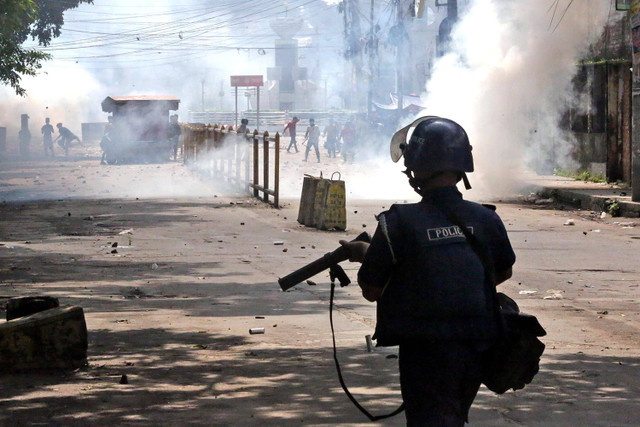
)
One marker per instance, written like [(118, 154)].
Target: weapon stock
[(321, 264)]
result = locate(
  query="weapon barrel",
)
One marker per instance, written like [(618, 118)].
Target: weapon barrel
[(304, 273), (319, 265)]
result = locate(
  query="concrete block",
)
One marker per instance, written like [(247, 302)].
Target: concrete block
[(50, 339), (24, 306)]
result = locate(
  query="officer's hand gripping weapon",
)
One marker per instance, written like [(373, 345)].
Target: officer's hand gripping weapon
[(328, 261)]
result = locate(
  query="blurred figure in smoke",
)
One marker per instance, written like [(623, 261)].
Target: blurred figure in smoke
[(291, 126), (65, 138), (242, 130), (47, 137), (312, 137), (348, 136), (331, 135), (173, 134), (24, 136), (105, 142), (244, 126)]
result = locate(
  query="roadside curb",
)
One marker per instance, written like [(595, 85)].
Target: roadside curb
[(595, 200)]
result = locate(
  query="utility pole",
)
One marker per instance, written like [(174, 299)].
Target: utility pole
[(347, 32), (202, 95), (446, 26), (400, 59), (325, 94), (371, 59), (452, 10), (353, 51), (221, 95)]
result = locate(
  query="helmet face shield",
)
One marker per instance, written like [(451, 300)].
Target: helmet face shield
[(399, 139), (436, 144)]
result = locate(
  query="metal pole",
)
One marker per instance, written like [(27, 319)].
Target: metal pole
[(203, 96), (399, 62), (221, 94), (276, 173), (325, 94), (258, 107), (452, 10), (371, 55), (265, 167), (236, 125), (256, 164)]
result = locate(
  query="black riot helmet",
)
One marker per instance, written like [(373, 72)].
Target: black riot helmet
[(436, 145)]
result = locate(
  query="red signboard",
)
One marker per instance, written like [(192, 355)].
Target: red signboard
[(244, 81)]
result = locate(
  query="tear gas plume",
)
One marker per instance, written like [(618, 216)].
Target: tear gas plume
[(507, 82)]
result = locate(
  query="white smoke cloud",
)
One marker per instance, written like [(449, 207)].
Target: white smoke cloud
[(64, 95), (507, 79)]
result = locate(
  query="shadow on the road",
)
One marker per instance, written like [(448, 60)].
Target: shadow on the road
[(176, 378), (573, 389), (176, 384)]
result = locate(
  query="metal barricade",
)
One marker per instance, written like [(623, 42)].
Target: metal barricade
[(238, 159)]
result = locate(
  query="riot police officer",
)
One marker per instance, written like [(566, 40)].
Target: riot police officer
[(428, 281)]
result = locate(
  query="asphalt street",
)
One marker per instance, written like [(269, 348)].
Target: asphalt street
[(192, 274)]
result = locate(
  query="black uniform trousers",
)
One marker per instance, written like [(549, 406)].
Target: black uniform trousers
[(439, 381)]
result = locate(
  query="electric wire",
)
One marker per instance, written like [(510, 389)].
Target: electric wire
[(185, 32), (190, 36)]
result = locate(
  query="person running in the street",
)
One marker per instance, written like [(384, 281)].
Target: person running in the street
[(65, 138), (331, 135), (312, 138), (291, 126), (47, 137)]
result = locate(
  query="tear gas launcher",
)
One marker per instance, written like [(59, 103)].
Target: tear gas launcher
[(328, 261)]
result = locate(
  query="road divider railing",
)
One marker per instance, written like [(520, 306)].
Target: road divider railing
[(242, 160)]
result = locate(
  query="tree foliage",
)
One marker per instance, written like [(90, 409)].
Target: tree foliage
[(20, 19)]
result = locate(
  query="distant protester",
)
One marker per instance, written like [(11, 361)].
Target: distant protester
[(105, 142), (47, 137), (173, 135), (331, 138), (312, 137), (65, 138), (244, 126), (291, 127), (348, 136)]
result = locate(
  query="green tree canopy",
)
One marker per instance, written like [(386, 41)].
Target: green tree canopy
[(20, 19)]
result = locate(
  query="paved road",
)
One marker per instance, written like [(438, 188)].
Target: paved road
[(181, 331)]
